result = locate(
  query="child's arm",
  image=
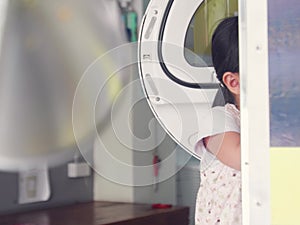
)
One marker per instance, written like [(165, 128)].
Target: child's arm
[(226, 147)]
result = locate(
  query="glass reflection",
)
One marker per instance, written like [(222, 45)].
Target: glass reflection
[(201, 27)]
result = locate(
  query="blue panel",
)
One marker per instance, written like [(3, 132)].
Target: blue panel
[(284, 56)]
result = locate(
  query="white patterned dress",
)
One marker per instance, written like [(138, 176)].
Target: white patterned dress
[(219, 197)]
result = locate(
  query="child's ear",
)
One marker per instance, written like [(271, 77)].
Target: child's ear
[(232, 82)]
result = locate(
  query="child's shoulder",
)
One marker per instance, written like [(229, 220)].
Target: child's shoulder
[(234, 113), (221, 119), (226, 145), (231, 108), (226, 118)]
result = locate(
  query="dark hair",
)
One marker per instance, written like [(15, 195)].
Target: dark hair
[(225, 51)]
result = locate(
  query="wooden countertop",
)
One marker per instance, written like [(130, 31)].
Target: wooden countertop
[(99, 213)]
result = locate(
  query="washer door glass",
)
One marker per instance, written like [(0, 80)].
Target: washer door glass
[(199, 33)]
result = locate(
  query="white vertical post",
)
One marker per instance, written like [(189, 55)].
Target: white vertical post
[(253, 31)]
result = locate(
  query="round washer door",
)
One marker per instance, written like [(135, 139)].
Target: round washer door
[(175, 65)]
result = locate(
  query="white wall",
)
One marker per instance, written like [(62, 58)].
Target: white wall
[(117, 182)]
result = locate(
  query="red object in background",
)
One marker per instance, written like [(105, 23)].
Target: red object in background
[(156, 161), (161, 206)]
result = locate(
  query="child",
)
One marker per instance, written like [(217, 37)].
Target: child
[(219, 197)]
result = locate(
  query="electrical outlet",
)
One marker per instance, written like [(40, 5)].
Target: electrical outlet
[(31, 186), (34, 186)]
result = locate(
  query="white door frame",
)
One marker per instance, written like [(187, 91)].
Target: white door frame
[(253, 28)]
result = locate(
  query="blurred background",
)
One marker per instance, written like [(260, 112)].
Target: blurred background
[(68, 70)]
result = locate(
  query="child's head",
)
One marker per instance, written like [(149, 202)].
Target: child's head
[(225, 55)]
